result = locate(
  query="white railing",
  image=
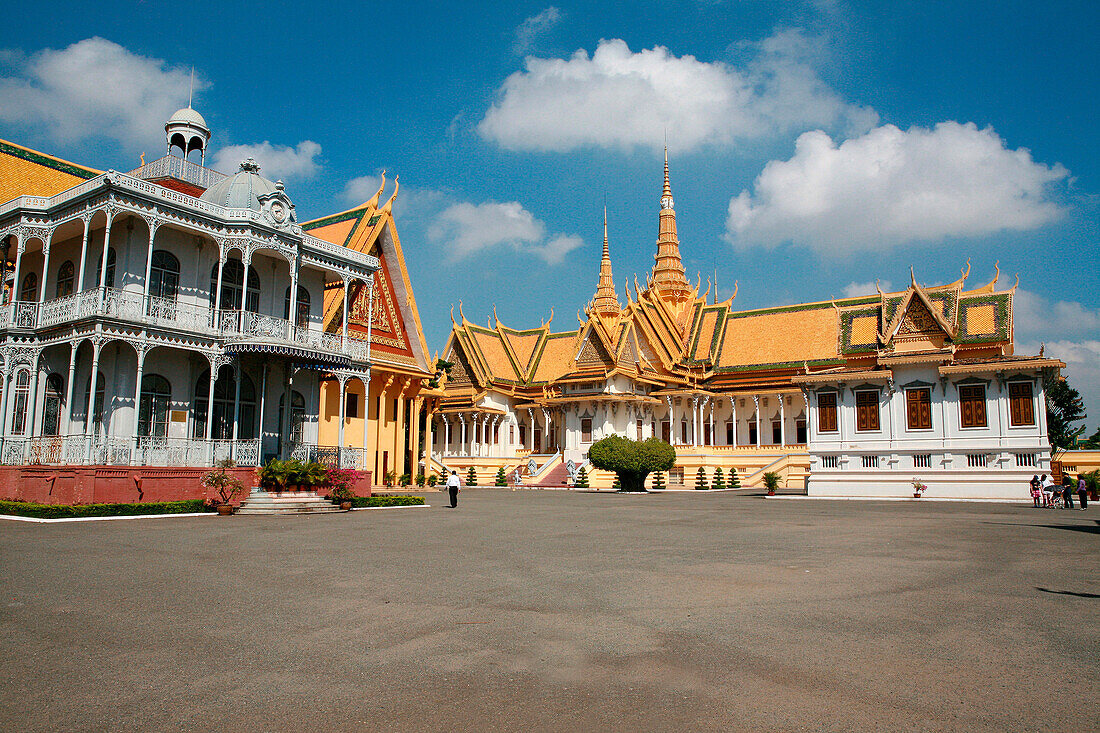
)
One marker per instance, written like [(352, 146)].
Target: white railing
[(181, 168), (64, 450), (169, 312)]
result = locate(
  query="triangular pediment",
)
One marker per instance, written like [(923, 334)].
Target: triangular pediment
[(593, 352), (916, 323)]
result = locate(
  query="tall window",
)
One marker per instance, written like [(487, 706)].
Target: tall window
[(867, 410), (777, 432), (522, 434), (972, 406), (297, 415), (66, 275), (826, 412), (1021, 407), (684, 432), (302, 315), (638, 430), (232, 275), (752, 431), (164, 275), (51, 409), (800, 431), (918, 408), (225, 390), (729, 433), (110, 281), (21, 393), (586, 430), (97, 406), (29, 291), (351, 405), (156, 395)]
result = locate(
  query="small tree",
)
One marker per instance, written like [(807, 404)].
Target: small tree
[(701, 479), (500, 479), (616, 484), (1064, 408), (735, 483), (632, 460), (719, 480), (225, 485), (420, 479), (471, 477), (658, 480), (771, 482), (582, 479)]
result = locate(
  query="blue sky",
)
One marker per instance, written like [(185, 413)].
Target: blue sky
[(815, 146)]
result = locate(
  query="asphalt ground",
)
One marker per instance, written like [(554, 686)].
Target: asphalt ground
[(563, 611)]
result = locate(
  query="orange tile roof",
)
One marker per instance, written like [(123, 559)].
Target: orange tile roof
[(780, 337), (556, 358), (26, 172)]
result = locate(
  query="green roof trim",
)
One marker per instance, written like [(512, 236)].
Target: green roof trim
[(780, 365), (334, 219), (846, 320), (373, 220), (46, 161)]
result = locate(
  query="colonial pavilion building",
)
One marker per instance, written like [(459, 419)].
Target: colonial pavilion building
[(174, 316), (856, 396)]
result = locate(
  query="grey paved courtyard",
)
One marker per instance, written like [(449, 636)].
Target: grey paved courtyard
[(559, 611)]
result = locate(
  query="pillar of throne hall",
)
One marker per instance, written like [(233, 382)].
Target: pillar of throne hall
[(156, 322), (850, 397)]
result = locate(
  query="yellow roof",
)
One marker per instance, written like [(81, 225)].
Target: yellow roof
[(26, 172)]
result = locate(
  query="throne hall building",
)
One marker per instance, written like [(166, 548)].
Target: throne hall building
[(173, 316), (856, 396)]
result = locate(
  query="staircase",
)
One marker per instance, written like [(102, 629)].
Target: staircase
[(554, 478), (293, 502)]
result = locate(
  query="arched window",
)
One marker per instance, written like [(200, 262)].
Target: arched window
[(51, 408), (65, 277), (110, 281), (21, 393), (303, 306), (164, 275), (297, 416), (156, 394), (97, 408), (29, 291), (225, 390), (232, 273)]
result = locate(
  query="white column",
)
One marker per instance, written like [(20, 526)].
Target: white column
[(531, 430), (247, 262), (5, 401), (756, 402), (47, 245), (89, 418), (462, 442), (210, 402), (32, 398), (292, 316), (733, 419), (238, 375), (446, 435), (83, 254), (712, 437), (782, 421), (137, 406), (103, 260), (153, 226), (218, 289), (19, 245), (342, 381), (69, 388), (344, 327), (260, 417)]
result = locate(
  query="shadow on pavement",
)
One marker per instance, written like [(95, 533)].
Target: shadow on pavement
[(1068, 593)]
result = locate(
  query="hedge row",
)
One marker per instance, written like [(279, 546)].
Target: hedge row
[(65, 511), (360, 502)]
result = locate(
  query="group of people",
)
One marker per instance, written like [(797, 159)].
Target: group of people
[(1043, 490)]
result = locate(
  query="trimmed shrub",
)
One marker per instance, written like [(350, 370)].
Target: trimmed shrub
[(501, 479), (659, 480), (582, 479), (701, 479), (432, 479), (66, 511), (616, 484), (471, 477), (361, 502), (719, 480), (735, 483), (404, 480), (420, 479), (632, 460)]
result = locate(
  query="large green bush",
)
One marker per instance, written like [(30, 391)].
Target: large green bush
[(361, 502), (632, 460), (68, 511)]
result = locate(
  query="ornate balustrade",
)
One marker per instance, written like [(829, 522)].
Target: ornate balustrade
[(61, 450)]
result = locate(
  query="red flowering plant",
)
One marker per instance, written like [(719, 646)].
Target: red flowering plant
[(918, 487), (339, 482), (225, 485)]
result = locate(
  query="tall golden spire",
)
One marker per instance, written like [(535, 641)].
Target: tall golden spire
[(668, 268), (606, 300)]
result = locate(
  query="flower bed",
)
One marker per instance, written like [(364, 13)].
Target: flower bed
[(68, 511)]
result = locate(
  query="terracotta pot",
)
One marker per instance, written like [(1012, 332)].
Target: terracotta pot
[(346, 506), (224, 510), (916, 494), (771, 493)]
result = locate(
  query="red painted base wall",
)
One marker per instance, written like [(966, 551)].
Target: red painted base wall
[(111, 484)]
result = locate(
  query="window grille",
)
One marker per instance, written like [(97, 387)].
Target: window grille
[(922, 460), (830, 461), (1025, 460), (977, 460), (870, 461)]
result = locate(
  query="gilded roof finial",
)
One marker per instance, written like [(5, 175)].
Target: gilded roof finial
[(396, 187), (495, 318), (373, 201), (453, 321), (462, 313), (668, 268), (606, 301)]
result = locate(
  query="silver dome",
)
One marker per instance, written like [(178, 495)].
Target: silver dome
[(241, 190)]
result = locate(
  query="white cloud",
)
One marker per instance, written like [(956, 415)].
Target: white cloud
[(276, 161), (854, 289), (359, 190), (619, 98), (890, 187), (531, 28), (1036, 317), (1082, 370), (469, 229), (95, 88)]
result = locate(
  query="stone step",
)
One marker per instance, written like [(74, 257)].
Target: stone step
[(305, 502)]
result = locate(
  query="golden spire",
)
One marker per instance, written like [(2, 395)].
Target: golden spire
[(606, 300), (668, 268)]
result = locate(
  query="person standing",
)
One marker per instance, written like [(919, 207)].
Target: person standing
[(1082, 492), (1067, 491), (1048, 489), (453, 484), (1036, 491)]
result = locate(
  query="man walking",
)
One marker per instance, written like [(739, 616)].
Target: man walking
[(453, 482), (1082, 492)]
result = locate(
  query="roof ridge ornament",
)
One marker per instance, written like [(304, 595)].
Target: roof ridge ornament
[(372, 202)]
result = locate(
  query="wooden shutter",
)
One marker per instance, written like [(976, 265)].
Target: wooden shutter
[(1020, 404), (867, 417), (918, 409), (826, 412)]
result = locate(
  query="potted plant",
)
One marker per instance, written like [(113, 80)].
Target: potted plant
[(340, 481), (432, 479), (389, 477), (918, 488), (275, 475), (225, 486), (771, 482)]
